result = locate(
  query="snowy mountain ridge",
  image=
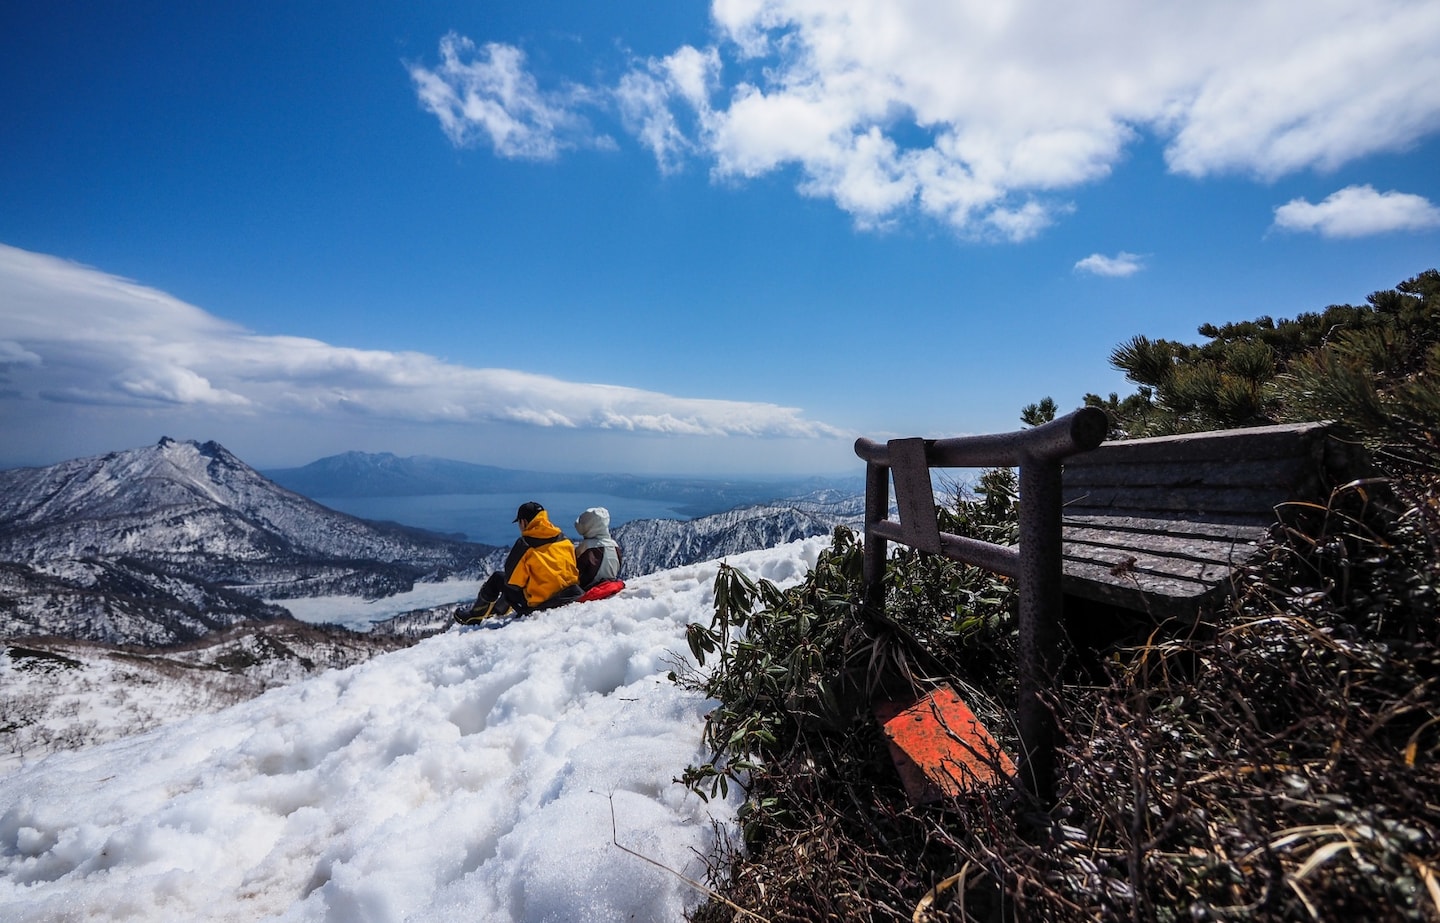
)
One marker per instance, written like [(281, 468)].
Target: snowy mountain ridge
[(282, 771), (653, 545), (165, 543), (180, 500)]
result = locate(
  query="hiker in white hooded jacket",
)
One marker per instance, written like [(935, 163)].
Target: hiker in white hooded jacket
[(597, 554)]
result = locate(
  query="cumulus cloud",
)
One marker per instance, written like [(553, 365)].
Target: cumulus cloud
[(982, 113), (1359, 211), (72, 334), (1117, 266)]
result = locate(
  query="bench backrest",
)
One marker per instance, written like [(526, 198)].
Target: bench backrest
[(1160, 525)]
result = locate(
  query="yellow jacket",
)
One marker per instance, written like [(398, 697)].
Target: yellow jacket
[(542, 563)]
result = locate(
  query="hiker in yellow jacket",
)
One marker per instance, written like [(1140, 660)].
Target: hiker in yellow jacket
[(540, 571)]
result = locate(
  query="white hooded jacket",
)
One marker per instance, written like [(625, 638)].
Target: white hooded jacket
[(597, 554)]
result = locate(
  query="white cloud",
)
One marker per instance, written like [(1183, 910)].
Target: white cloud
[(1025, 97), (15, 354), (1311, 86), (1117, 266), (486, 94), (80, 336), (1022, 222), (977, 112), (1359, 211), (645, 95), (174, 385)]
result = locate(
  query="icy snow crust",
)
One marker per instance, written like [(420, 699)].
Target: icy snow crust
[(472, 776)]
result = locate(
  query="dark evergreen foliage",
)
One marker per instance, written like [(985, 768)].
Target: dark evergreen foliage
[(1371, 367)]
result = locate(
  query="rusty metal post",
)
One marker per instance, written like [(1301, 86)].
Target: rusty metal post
[(1036, 564), (877, 509), (1040, 608)]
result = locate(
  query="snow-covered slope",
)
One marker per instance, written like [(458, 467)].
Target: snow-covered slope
[(66, 695), (475, 775)]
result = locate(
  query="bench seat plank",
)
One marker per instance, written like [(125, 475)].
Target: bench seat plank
[(1292, 440), (1141, 592), (1119, 563), (1113, 547)]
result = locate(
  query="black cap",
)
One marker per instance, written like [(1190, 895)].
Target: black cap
[(527, 511)]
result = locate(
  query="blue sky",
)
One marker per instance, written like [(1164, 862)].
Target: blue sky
[(681, 237)]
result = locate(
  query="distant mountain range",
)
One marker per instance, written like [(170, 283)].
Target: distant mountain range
[(652, 545), (381, 474), (169, 543)]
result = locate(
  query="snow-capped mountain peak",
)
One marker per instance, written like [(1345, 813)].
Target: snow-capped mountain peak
[(175, 539)]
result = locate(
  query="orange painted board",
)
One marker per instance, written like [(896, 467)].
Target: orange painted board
[(939, 747)]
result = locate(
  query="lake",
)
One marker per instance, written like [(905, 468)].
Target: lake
[(488, 518)]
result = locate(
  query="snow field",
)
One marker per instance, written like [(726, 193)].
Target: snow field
[(474, 775)]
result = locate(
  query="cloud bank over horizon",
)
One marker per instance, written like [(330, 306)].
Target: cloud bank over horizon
[(70, 334), (978, 115)]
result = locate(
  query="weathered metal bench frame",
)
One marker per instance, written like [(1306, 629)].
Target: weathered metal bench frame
[(1036, 564)]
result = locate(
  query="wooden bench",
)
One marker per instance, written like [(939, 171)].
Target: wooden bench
[(1161, 525), (1158, 526)]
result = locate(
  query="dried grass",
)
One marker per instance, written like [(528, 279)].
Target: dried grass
[(1278, 760)]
